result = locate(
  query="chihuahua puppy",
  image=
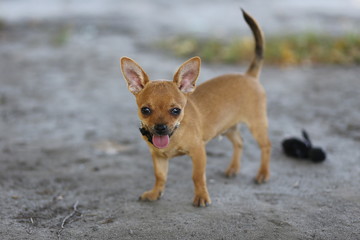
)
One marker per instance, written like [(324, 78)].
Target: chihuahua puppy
[(179, 118)]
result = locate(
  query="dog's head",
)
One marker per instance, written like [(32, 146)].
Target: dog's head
[(161, 104)]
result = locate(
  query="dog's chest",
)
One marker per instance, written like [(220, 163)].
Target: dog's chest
[(170, 152)]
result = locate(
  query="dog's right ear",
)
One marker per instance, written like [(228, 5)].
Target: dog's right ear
[(134, 75), (187, 74)]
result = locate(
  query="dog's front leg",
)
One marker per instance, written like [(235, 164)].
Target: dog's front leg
[(198, 156), (160, 170)]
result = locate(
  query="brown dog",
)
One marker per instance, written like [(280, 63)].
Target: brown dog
[(176, 119)]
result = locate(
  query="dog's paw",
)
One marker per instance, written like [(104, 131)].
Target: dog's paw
[(150, 196), (231, 172), (262, 176), (202, 200)]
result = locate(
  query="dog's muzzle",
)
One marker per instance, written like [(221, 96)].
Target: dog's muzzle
[(160, 129)]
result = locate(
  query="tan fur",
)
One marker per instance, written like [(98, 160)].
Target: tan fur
[(215, 107)]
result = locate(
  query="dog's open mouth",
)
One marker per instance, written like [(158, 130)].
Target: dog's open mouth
[(161, 141)]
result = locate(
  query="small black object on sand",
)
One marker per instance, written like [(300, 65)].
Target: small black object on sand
[(303, 149)]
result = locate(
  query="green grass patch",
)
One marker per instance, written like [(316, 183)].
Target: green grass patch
[(61, 36), (287, 50)]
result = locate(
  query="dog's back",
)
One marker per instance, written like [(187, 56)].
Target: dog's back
[(215, 98)]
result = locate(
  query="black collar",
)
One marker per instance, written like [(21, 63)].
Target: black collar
[(146, 133)]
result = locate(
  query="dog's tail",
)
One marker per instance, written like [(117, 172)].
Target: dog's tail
[(255, 66)]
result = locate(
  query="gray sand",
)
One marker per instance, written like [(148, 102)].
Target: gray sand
[(68, 128)]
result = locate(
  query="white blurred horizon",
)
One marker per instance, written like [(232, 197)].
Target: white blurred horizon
[(219, 17)]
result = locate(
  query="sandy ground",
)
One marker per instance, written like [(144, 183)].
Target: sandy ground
[(68, 136)]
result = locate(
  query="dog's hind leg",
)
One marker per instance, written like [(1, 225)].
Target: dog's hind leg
[(233, 135), (259, 130)]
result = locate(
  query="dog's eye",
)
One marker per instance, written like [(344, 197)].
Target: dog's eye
[(175, 111), (146, 111)]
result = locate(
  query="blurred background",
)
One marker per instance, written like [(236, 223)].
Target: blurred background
[(69, 129), (298, 32)]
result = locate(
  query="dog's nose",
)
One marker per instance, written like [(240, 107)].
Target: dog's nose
[(160, 128)]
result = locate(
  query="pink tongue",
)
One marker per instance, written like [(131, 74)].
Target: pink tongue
[(161, 141)]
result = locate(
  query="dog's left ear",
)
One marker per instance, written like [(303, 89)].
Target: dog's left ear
[(134, 75), (187, 74)]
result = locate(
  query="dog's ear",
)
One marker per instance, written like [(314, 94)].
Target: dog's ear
[(134, 75), (187, 74)]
